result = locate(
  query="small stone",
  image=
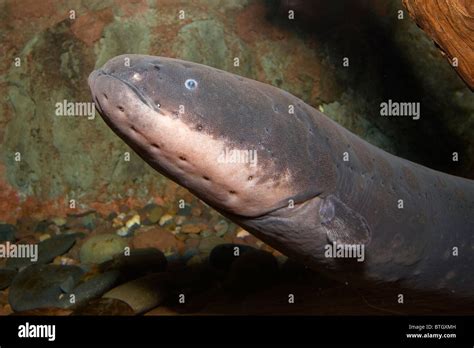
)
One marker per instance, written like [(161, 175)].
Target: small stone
[(165, 220), (193, 228), (53, 230), (111, 216), (44, 237), (242, 233), (7, 233), (144, 293), (196, 211), (206, 233), (153, 213), (184, 211), (192, 243), (221, 228), (195, 260), (118, 221), (247, 239), (209, 243), (102, 247), (180, 219), (59, 221), (130, 226), (123, 231), (180, 236), (134, 221), (89, 220), (158, 238), (65, 261)]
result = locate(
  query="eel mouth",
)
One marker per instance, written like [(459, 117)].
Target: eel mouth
[(141, 96)]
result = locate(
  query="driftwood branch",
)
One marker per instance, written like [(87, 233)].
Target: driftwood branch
[(450, 23)]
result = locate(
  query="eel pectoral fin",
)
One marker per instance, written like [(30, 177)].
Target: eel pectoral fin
[(342, 224)]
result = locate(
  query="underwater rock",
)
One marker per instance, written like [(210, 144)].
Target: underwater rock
[(206, 233), (192, 243), (41, 286), (88, 220), (104, 306), (59, 221), (180, 219), (7, 233), (242, 233), (224, 255), (47, 251), (144, 293), (6, 277), (55, 246), (43, 237), (191, 227), (196, 211), (139, 263), (101, 248), (207, 244), (130, 225), (177, 261), (165, 220), (243, 237), (152, 213), (158, 238), (195, 260), (184, 211), (221, 228), (90, 289)]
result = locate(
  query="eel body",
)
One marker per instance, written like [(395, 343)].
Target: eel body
[(290, 175)]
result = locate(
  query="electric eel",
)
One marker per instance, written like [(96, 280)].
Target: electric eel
[(290, 175)]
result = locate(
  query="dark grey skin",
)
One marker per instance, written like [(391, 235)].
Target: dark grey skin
[(428, 244)]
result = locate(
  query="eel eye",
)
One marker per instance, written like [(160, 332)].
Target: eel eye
[(190, 84)]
